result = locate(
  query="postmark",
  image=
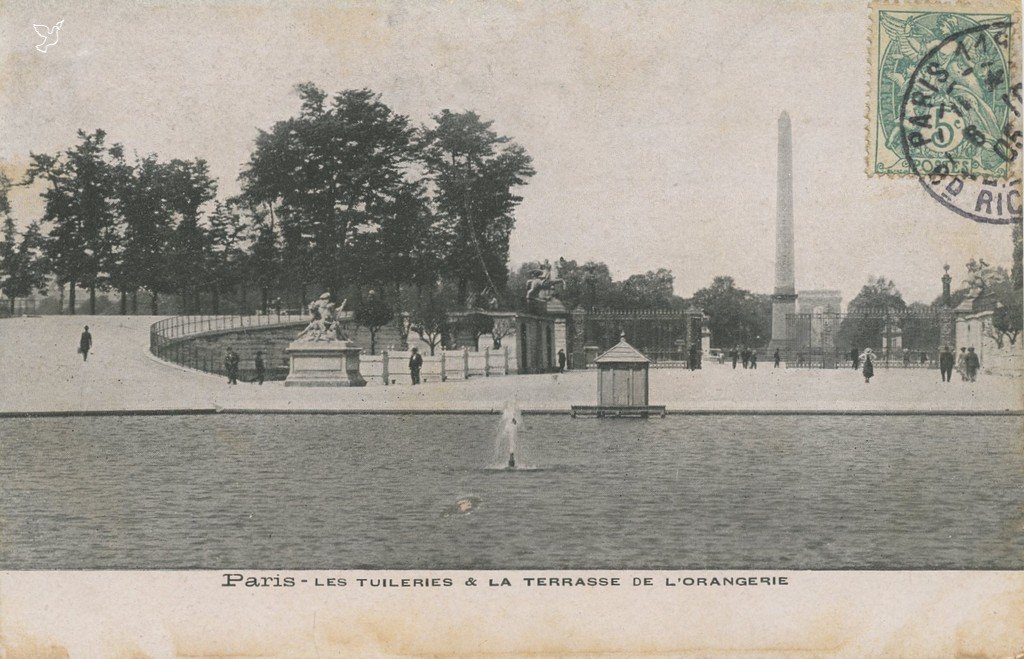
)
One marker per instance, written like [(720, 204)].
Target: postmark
[(942, 98), (939, 115)]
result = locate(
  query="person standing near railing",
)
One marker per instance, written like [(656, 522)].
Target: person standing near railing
[(415, 364), (231, 366), (261, 368)]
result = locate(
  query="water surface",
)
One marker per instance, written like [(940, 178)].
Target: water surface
[(344, 492)]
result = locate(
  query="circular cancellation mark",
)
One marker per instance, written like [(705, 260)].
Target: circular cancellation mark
[(946, 128)]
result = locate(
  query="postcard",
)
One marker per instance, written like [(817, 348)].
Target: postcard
[(380, 328)]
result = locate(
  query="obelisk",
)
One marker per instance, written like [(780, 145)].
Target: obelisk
[(784, 298)]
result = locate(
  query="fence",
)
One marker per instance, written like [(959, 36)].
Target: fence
[(843, 359), (392, 366), (165, 338), (166, 341)]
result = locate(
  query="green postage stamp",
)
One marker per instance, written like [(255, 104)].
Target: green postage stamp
[(944, 97)]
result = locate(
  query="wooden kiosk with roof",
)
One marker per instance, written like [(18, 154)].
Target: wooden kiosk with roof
[(622, 379)]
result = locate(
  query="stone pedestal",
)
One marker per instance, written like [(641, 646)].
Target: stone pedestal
[(323, 364)]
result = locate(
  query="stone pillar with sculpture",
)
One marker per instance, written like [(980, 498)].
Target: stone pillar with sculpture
[(578, 332), (705, 336), (947, 319), (322, 355)]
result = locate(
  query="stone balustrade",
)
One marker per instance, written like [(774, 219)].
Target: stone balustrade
[(392, 367)]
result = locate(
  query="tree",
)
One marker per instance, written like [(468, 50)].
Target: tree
[(229, 236), (374, 314), (589, 285), (997, 289), (22, 264), (81, 209), (1007, 321), (430, 320), (735, 315), (147, 227), (878, 304), (264, 264), (474, 172), (476, 325), (189, 187), (330, 172), (651, 290)]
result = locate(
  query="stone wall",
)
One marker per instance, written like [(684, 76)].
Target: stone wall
[(974, 330), (272, 341), (530, 348)]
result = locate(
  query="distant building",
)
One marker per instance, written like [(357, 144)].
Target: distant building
[(822, 300), (822, 328)]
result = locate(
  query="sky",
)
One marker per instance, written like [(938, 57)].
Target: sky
[(652, 125)]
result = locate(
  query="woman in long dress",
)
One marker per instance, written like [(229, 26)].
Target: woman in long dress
[(961, 364), (869, 367)]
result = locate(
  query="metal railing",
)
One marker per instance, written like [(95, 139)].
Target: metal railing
[(181, 326), (166, 338), (843, 359)]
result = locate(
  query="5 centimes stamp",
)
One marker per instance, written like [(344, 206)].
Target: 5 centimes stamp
[(943, 96)]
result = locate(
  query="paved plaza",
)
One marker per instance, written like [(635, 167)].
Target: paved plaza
[(41, 372)]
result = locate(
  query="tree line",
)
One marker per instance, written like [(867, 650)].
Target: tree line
[(346, 196)]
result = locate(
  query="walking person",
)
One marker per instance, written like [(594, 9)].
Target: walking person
[(869, 368), (231, 366), (971, 364), (745, 356), (261, 369), (415, 364), (855, 358), (85, 344), (734, 353), (561, 360), (753, 359), (777, 357), (946, 360), (961, 364)]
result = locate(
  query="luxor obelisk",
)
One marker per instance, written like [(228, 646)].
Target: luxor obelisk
[(784, 298)]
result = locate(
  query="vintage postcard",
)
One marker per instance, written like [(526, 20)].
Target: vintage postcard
[(381, 328)]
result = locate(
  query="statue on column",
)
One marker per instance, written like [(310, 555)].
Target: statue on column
[(542, 283)]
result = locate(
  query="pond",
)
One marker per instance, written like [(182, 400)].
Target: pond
[(347, 492)]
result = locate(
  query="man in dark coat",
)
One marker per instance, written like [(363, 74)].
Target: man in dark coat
[(972, 364), (561, 360), (85, 343), (231, 366), (777, 357), (734, 353), (261, 368), (753, 359), (946, 361), (745, 356), (415, 364), (855, 358)]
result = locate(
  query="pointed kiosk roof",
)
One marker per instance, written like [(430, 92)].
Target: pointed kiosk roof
[(622, 353)]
